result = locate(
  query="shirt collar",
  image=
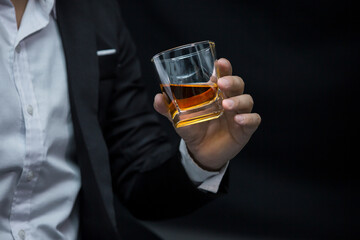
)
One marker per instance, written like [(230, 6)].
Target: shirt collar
[(48, 6)]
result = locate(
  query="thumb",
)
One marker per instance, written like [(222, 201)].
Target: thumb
[(161, 106)]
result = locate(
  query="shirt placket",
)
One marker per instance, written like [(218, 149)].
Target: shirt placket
[(34, 145)]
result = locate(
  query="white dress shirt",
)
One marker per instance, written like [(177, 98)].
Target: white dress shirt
[(39, 179)]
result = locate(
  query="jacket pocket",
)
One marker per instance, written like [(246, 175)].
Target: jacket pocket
[(107, 63)]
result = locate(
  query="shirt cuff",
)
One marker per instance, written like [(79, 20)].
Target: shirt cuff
[(205, 180)]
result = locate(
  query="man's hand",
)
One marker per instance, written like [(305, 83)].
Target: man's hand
[(215, 142)]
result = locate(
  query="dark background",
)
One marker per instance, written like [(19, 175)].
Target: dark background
[(296, 178)]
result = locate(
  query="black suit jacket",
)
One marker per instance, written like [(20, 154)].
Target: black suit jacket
[(124, 157)]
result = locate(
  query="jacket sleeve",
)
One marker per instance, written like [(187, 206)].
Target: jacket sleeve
[(147, 174)]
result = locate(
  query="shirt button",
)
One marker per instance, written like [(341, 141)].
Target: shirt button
[(30, 176), (21, 234), (30, 110), (18, 48)]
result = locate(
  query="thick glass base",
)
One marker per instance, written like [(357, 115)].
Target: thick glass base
[(208, 112)]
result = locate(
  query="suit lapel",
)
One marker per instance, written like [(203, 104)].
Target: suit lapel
[(79, 43)]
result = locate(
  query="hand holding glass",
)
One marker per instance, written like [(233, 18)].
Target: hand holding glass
[(188, 80)]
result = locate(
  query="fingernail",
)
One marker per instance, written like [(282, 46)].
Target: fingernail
[(229, 103), (240, 119), (225, 82)]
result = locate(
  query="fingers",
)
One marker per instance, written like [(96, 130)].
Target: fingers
[(224, 67), (240, 104), (250, 121), (231, 85)]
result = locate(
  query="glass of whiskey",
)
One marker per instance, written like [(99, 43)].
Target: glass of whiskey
[(188, 80)]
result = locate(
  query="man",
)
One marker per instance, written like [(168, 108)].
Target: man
[(78, 139)]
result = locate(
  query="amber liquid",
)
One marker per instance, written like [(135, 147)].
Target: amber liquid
[(187, 99)]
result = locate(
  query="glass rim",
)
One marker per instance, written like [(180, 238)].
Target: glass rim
[(181, 47)]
